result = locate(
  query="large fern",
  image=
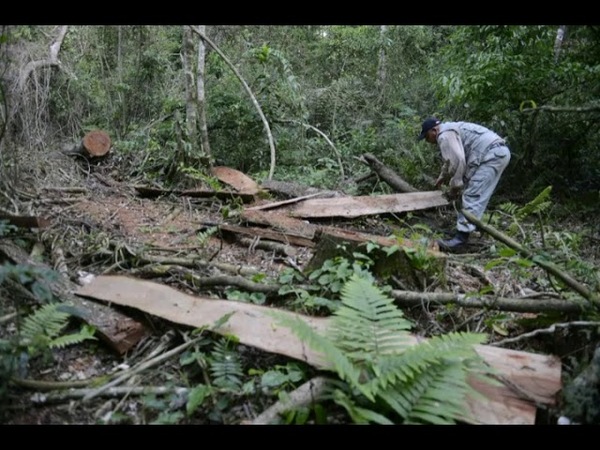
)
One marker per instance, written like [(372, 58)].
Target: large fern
[(44, 329), (386, 377)]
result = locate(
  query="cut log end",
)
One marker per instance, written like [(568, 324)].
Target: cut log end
[(96, 143)]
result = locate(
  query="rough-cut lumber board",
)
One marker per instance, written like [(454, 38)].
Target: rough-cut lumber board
[(366, 205), (268, 234), (254, 326), (118, 330), (281, 222), (528, 377), (236, 179), (25, 221)]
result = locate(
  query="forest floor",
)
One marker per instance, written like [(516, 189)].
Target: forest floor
[(99, 220)]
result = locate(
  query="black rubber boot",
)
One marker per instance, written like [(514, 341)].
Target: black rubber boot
[(456, 243)]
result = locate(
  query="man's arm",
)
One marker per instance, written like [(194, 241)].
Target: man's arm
[(453, 155)]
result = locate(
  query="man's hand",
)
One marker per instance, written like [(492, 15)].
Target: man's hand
[(454, 193)]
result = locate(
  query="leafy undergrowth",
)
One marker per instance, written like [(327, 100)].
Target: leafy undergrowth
[(105, 227)]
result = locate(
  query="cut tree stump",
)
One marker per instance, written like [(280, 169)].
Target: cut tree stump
[(335, 242), (94, 144), (527, 379)]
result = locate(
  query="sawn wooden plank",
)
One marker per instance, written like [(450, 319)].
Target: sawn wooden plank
[(528, 378), (365, 205)]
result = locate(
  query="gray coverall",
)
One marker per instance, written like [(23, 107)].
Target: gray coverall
[(474, 157)]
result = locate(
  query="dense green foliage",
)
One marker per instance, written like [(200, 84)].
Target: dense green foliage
[(366, 88)]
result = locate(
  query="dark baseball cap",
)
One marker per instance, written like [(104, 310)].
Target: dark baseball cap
[(428, 124)]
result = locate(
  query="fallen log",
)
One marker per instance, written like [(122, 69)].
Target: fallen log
[(280, 222), (409, 299), (290, 190), (25, 221), (119, 331), (386, 174), (528, 379), (267, 234)]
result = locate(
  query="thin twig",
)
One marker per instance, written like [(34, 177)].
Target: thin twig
[(551, 329), (140, 368)]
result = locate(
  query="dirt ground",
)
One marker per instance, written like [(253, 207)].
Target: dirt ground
[(99, 220)]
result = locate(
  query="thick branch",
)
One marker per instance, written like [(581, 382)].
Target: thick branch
[(387, 174), (565, 109), (566, 278), (52, 59), (403, 298), (409, 298), (305, 395)]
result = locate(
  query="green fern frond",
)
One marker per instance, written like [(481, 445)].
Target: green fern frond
[(84, 334), (335, 358), (357, 413), (42, 329), (226, 367), (509, 208), (369, 325), (538, 205), (203, 236), (370, 348), (47, 321)]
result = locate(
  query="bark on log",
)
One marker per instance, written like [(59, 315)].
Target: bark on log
[(280, 222), (267, 234), (25, 221), (387, 174), (290, 190), (408, 298)]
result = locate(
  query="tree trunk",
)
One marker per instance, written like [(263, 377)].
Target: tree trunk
[(382, 64), (201, 98), (187, 52), (560, 37)]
